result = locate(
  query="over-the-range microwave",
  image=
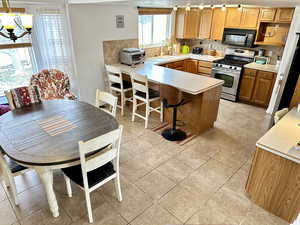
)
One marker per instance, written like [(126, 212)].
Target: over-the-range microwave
[(239, 37)]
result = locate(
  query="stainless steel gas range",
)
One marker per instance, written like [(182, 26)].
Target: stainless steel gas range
[(230, 69)]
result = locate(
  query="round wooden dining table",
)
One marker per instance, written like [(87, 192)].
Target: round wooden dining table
[(45, 136)]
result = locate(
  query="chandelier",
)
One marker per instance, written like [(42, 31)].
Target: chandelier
[(11, 21)]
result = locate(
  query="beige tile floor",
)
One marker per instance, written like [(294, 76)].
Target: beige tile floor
[(201, 182)]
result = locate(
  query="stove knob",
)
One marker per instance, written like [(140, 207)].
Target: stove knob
[(221, 65)]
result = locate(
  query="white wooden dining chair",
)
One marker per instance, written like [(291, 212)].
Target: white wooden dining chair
[(279, 114), (11, 169), (107, 98), (118, 85), (98, 169), (142, 92)]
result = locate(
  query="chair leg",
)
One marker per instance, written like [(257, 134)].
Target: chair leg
[(161, 112), (147, 114), (122, 103), (89, 206), (134, 102), (13, 188), (118, 188), (68, 185)]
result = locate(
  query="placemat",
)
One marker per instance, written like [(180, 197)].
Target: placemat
[(56, 125)]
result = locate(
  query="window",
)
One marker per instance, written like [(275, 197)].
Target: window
[(17, 62), (51, 43), (16, 68), (154, 30)]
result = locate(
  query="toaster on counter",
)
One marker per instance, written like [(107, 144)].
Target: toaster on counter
[(132, 56)]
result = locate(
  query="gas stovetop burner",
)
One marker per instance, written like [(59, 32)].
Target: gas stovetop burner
[(231, 62)]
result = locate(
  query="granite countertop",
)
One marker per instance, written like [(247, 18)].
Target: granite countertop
[(265, 67), (283, 136), (184, 81)]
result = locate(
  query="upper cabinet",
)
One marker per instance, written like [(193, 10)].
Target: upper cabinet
[(218, 23), (206, 16), (272, 24), (273, 15), (267, 14), (249, 18), (233, 17), (284, 15), (244, 18), (187, 23)]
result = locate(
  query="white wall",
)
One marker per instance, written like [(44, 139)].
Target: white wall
[(286, 62), (90, 25)]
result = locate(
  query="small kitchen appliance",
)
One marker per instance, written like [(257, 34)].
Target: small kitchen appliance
[(230, 69), (185, 49), (239, 37), (132, 56), (197, 50)]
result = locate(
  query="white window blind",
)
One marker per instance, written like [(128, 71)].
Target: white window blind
[(154, 30), (50, 40)]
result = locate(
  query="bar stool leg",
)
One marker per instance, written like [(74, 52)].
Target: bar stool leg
[(173, 134)]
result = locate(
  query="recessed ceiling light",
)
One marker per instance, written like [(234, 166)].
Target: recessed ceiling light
[(223, 7), (188, 7), (213, 6), (201, 6), (175, 8)]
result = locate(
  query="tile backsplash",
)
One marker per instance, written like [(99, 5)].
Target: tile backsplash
[(112, 48), (272, 51)]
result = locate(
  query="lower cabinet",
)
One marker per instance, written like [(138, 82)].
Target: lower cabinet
[(191, 65), (246, 87), (256, 87)]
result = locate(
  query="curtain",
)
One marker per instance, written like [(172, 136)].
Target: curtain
[(51, 41)]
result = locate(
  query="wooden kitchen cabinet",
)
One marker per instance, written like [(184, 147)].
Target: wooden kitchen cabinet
[(256, 87), (180, 23), (218, 23), (191, 66), (249, 18), (247, 85), (284, 15), (296, 96), (205, 23), (267, 14), (263, 88), (187, 23), (233, 17), (245, 18)]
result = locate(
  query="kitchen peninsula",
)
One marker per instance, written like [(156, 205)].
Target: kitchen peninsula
[(202, 93), (273, 181)]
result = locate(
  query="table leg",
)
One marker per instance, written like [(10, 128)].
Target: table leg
[(46, 176)]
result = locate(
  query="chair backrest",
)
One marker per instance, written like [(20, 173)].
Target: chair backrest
[(279, 114), (23, 96), (139, 83), (10, 100), (53, 84), (107, 98), (114, 75), (112, 140)]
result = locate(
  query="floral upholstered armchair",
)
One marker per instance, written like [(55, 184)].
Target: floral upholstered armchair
[(52, 84)]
